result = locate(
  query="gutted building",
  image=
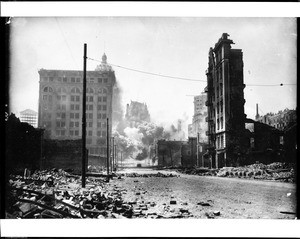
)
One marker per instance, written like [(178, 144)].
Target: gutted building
[(29, 116), (225, 103), (60, 105)]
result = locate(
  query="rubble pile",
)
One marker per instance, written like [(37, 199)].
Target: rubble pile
[(58, 194), (146, 175), (275, 171)]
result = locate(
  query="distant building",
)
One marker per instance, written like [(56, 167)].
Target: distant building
[(225, 102), (199, 124), (60, 105), (29, 116), (136, 113), (179, 153), (281, 120)]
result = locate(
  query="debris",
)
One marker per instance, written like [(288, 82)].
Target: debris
[(173, 202), (203, 204), (217, 213)]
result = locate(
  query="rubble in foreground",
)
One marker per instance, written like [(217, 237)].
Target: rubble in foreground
[(58, 194)]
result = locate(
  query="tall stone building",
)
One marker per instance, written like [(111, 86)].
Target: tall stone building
[(29, 116), (225, 102), (136, 113), (60, 105), (199, 124)]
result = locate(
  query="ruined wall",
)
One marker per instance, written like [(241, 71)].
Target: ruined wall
[(62, 154)]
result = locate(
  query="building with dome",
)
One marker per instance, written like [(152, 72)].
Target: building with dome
[(60, 105)]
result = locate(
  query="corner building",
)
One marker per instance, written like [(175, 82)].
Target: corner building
[(60, 105), (225, 102)]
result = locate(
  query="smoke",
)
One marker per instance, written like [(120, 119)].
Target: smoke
[(136, 134)]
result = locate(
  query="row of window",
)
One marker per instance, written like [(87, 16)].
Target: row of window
[(74, 98), (220, 142), (62, 132), (74, 79), (62, 90)]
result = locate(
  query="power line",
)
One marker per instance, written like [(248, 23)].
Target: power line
[(149, 73), (281, 84), (66, 42), (174, 77)]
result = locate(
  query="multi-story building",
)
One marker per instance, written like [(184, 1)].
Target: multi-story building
[(29, 116), (281, 120), (60, 105), (225, 102), (199, 125), (136, 113)]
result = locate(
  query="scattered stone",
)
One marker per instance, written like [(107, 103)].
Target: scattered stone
[(173, 202), (203, 204), (217, 213)]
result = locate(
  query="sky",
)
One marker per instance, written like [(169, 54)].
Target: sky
[(172, 46)]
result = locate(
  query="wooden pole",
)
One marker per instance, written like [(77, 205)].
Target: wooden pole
[(83, 167), (107, 149)]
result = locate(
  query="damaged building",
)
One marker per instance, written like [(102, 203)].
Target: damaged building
[(172, 153), (136, 113), (225, 103), (60, 105)]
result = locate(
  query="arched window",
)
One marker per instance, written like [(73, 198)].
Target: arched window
[(75, 90), (89, 91), (102, 91), (48, 89)]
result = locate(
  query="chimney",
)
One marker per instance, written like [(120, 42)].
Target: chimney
[(257, 115)]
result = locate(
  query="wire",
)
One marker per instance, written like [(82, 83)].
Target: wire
[(174, 77), (66, 42), (149, 73), (281, 84)]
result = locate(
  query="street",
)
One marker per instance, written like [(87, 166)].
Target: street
[(192, 196)]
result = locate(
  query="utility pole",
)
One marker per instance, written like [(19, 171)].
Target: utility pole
[(84, 119), (122, 159), (116, 159), (197, 149), (113, 153), (107, 150)]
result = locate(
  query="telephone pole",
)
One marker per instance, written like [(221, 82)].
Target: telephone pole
[(84, 119), (107, 150)]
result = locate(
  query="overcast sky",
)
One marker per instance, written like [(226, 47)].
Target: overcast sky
[(170, 46)]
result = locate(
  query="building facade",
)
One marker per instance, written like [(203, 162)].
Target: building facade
[(281, 120), (199, 124), (60, 105), (29, 116), (225, 102)]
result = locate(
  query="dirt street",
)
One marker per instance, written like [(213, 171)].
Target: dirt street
[(192, 196)]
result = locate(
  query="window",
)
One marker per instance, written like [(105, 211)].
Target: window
[(103, 133), (48, 89), (89, 91), (100, 80), (99, 107), (72, 124), (91, 80), (103, 116), (77, 124), (45, 97), (71, 132), (104, 107), (77, 98), (72, 115), (76, 115), (78, 80), (77, 107), (51, 79), (73, 80), (90, 133), (105, 80), (99, 133), (65, 79), (59, 79), (90, 124), (99, 99), (76, 132), (252, 143), (75, 90), (89, 107), (72, 98), (104, 98), (89, 98), (99, 116), (72, 107)]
